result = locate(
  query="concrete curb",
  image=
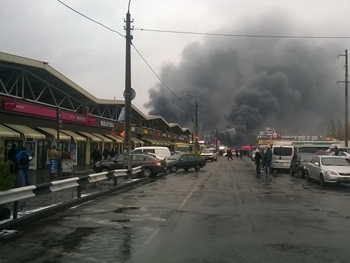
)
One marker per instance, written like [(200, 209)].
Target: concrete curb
[(37, 216)]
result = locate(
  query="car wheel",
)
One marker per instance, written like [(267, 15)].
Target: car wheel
[(322, 182), (147, 172), (173, 169), (291, 171), (216, 158), (308, 178), (300, 173), (197, 167), (212, 160), (105, 169), (186, 169)]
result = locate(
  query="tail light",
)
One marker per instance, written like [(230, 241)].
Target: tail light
[(158, 164)]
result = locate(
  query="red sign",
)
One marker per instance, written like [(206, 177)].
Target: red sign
[(25, 108)]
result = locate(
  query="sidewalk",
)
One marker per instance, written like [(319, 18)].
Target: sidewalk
[(43, 175)]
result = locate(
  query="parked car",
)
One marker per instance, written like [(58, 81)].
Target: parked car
[(151, 166), (328, 169), (252, 155), (342, 154), (297, 166), (185, 161), (158, 150), (210, 154)]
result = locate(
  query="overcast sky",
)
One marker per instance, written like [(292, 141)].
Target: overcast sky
[(94, 57)]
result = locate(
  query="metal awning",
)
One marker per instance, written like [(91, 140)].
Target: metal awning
[(114, 138), (135, 140), (7, 132), (26, 131), (76, 137), (102, 137), (120, 138), (53, 132), (90, 136), (148, 140)]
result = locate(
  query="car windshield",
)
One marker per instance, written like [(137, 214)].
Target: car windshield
[(334, 162)]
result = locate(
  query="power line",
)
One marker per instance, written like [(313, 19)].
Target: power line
[(160, 78), (240, 35), (90, 18)]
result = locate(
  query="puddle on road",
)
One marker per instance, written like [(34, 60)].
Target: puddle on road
[(121, 220), (122, 209)]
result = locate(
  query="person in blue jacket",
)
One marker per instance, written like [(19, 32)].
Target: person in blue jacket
[(23, 158)]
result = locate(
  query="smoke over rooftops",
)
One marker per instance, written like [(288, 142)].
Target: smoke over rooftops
[(245, 84)]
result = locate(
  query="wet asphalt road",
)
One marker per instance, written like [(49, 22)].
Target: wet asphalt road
[(223, 213)]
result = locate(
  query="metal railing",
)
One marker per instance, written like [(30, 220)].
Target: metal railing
[(22, 193)]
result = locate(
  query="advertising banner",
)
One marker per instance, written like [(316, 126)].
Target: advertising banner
[(54, 166)]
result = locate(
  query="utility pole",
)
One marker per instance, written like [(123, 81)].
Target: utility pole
[(216, 141), (128, 93), (346, 96), (196, 121), (196, 144)]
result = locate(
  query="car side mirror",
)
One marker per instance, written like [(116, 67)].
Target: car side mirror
[(317, 164)]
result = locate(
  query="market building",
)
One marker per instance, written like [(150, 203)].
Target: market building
[(40, 107)]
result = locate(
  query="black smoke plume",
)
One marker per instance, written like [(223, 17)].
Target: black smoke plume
[(245, 84)]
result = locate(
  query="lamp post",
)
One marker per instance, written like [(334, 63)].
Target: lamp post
[(128, 93)]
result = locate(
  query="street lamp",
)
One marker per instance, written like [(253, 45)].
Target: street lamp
[(128, 93), (196, 145)]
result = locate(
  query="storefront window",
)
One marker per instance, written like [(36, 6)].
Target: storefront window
[(81, 152)]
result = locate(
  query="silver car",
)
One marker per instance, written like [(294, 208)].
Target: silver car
[(328, 169)]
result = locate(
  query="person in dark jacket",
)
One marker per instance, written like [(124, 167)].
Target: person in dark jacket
[(23, 158), (11, 155), (105, 153), (267, 161), (229, 154), (258, 159), (96, 156), (336, 151)]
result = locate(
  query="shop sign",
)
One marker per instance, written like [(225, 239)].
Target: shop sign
[(133, 129), (104, 123), (20, 107), (145, 131), (164, 135)]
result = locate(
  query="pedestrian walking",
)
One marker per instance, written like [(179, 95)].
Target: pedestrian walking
[(229, 154), (336, 151), (23, 158), (267, 161), (258, 159), (237, 154)]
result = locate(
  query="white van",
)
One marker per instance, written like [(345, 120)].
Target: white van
[(162, 152), (281, 157), (210, 154)]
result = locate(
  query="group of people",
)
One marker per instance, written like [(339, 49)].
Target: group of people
[(19, 160), (263, 159), (238, 153), (96, 155)]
